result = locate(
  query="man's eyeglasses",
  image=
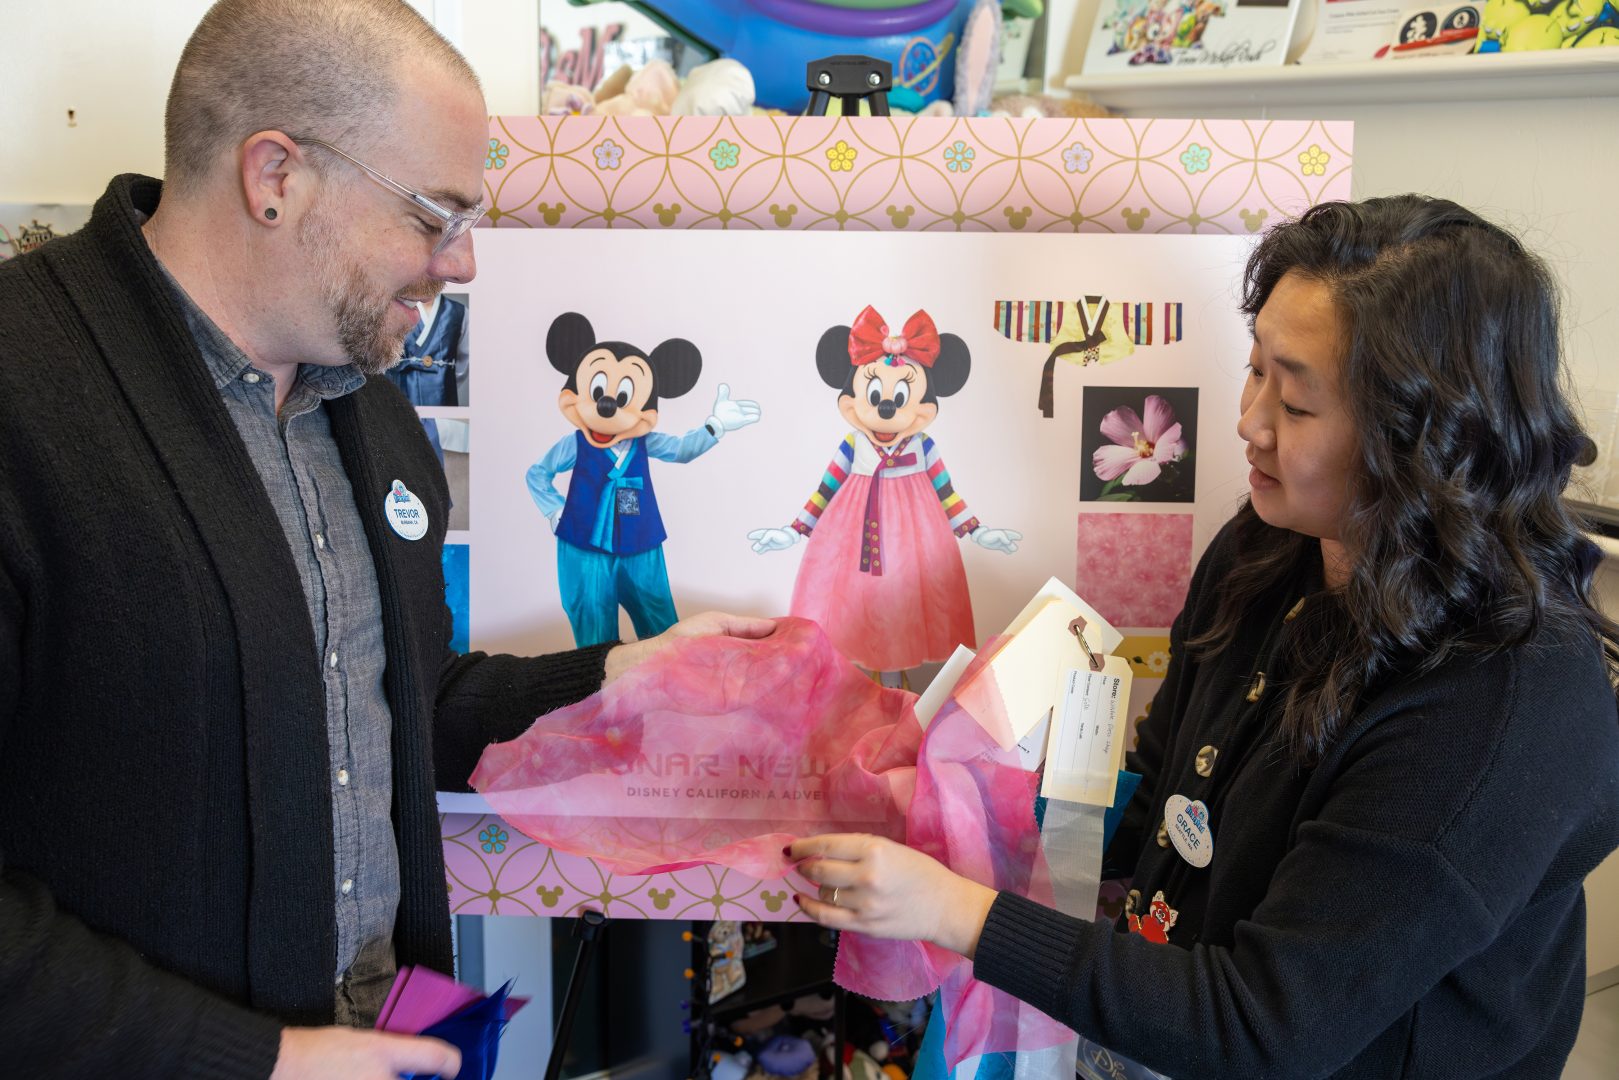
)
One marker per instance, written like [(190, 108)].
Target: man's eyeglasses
[(455, 222)]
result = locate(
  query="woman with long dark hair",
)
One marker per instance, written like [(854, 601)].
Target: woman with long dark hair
[(1390, 691)]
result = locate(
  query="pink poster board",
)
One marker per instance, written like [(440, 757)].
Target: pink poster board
[(935, 175)]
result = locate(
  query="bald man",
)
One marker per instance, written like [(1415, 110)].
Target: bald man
[(226, 690)]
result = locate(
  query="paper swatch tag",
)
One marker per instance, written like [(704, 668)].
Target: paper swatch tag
[(1187, 823), (1087, 734)]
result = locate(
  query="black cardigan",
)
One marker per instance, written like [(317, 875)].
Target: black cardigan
[(165, 811), (1411, 907)]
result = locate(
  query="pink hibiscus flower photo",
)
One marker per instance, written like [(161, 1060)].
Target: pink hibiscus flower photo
[(1139, 452)]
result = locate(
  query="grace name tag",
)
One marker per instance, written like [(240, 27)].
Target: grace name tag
[(1087, 734), (1187, 823), (404, 511)]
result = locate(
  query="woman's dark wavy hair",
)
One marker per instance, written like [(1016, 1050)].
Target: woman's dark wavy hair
[(1461, 542)]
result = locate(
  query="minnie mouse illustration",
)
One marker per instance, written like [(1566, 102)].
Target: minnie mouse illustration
[(609, 532), (882, 574)]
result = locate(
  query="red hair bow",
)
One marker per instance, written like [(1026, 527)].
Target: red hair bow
[(870, 341)]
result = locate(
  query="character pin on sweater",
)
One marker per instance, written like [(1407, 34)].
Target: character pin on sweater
[(882, 573), (609, 532)]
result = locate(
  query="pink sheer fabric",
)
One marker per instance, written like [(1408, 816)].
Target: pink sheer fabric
[(723, 751)]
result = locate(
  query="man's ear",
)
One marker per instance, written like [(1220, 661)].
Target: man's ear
[(276, 179)]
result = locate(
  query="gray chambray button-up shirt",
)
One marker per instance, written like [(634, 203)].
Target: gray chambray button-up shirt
[(299, 464)]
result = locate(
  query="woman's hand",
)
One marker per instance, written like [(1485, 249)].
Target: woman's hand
[(877, 887), (708, 624)]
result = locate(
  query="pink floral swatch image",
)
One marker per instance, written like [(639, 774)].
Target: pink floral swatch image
[(1135, 568)]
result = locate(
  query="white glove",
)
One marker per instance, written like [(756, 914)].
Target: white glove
[(555, 518), (996, 539), (774, 539), (730, 415)]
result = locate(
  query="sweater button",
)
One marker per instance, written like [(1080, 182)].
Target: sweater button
[(1163, 835), (1205, 761)]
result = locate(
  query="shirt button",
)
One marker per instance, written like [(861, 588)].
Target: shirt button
[(342, 778), (348, 886), (251, 377), (320, 541), (1163, 835), (1205, 761), (332, 660)]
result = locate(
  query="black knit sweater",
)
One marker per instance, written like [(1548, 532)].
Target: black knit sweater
[(165, 811), (1410, 907)]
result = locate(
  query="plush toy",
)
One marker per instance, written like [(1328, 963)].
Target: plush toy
[(1499, 17), (1581, 20), (648, 92), (608, 529), (1045, 105), (719, 88)]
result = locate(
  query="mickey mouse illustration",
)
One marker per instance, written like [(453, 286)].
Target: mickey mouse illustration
[(609, 533), (882, 574)]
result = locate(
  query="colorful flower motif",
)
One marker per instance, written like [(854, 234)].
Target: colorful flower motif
[(494, 838), (496, 157), (841, 157), (958, 156), (1140, 450), (1195, 159), (1077, 158), (1158, 662), (725, 154), (608, 154), (1313, 162)]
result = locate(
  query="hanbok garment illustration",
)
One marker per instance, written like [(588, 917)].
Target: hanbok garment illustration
[(882, 573), (1087, 331)]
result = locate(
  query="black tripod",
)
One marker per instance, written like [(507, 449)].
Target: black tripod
[(590, 927), (850, 79)]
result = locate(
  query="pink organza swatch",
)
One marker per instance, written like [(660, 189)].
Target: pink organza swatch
[(719, 750)]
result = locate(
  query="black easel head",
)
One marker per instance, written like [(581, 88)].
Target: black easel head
[(850, 78)]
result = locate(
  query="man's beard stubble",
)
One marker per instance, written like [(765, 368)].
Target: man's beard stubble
[(358, 312)]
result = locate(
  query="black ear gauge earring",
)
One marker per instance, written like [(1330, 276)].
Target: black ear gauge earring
[(269, 214)]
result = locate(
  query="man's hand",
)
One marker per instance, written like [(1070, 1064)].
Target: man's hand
[(708, 624), (348, 1054), (877, 887)]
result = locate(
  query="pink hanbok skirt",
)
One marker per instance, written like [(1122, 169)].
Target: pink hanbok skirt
[(917, 610)]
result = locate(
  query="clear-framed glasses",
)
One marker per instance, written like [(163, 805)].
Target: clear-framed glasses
[(455, 222)]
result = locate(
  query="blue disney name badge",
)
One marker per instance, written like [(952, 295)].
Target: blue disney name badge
[(405, 512), (1187, 823)]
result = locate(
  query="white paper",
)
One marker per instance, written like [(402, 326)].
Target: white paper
[(1083, 753)]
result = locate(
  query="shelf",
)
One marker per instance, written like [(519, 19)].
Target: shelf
[(1554, 73), (798, 965)]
